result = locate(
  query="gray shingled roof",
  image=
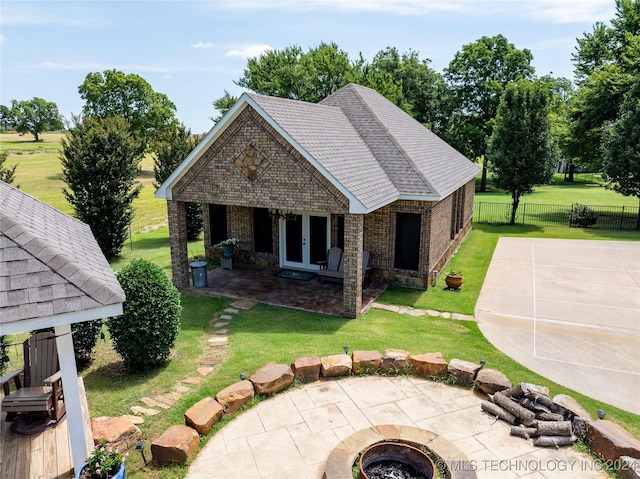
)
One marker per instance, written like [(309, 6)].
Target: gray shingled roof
[(370, 149), (371, 146), (50, 263)]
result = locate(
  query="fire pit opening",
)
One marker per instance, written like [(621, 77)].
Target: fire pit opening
[(393, 460)]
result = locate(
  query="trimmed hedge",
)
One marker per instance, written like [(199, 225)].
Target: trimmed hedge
[(144, 335)]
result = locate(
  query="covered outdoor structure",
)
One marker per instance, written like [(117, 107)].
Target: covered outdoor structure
[(291, 179), (52, 275)]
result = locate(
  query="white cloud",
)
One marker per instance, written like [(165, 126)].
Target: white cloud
[(248, 51), (202, 45), (29, 15), (126, 68), (556, 11), (571, 11)]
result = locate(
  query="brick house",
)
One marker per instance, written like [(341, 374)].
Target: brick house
[(291, 179)]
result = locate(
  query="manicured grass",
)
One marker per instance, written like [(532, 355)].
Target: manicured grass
[(473, 259), (39, 172), (266, 333), (562, 193)]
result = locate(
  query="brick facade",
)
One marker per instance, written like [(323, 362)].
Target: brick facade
[(250, 165)]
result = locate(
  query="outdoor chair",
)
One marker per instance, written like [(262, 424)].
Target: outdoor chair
[(333, 270), (42, 391)]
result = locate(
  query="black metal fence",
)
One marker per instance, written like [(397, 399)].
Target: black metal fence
[(606, 217)]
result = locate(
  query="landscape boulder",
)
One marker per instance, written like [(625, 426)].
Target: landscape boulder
[(366, 361), (203, 415), (570, 404), (119, 431), (176, 445), (271, 378), (490, 381), (464, 371), (233, 397), (395, 361), (629, 468), (610, 441), (336, 365), (306, 369), (428, 365)]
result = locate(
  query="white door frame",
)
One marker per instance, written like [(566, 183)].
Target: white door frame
[(305, 264)]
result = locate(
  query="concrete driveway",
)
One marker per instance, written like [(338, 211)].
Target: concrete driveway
[(569, 310)]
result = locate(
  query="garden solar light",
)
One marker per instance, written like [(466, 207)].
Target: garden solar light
[(243, 376), (140, 447), (346, 349), (601, 413), (482, 362)]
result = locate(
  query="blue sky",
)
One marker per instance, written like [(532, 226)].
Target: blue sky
[(193, 50)]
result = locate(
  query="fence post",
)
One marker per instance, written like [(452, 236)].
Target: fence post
[(570, 215), (524, 212), (621, 218), (479, 210)]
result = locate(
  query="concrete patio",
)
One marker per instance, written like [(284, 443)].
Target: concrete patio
[(292, 434), (261, 285)]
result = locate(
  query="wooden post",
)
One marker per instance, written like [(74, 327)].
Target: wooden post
[(67, 359)]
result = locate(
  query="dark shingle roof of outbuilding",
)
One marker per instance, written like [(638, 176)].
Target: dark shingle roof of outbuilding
[(50, 263)]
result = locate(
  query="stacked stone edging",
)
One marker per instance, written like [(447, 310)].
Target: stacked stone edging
[(273, 378)]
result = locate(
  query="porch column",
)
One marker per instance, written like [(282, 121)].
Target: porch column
[(69, 374), (178, 241), (353, 245)]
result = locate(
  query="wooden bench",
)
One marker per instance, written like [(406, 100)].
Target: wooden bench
[(328, 271)]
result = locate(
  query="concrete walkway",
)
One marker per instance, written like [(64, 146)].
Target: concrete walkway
[(292, 434), (569, 310)]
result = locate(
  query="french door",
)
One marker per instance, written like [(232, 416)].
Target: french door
[(304, 240)]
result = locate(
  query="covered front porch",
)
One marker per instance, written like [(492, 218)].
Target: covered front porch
[(260, 284)]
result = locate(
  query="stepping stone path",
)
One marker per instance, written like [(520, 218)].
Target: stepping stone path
[(214, 357), (415, 312)]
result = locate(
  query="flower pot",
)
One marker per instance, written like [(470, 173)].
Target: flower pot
[(227, 250), (454, 281), (118, 475)]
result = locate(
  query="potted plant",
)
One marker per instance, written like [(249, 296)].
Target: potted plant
[(453, 280), (105, 462), (227, 245)]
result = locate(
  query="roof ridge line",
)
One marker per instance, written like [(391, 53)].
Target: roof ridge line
[(392, 138)]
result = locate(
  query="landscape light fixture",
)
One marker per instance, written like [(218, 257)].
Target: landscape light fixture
[(601, 413), (140, 447), (243, 376), (346, 349)]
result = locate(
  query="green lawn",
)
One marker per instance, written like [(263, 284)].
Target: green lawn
[(562, 193), (266, 333)]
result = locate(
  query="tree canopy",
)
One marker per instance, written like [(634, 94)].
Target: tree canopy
[(520, 147), (114, 93), (606, 61), (100, 163), (477, 76), (33, 116)]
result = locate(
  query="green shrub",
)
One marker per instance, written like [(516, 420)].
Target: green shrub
[(4, 358), (582, 216), (145, 333), (85, 337)]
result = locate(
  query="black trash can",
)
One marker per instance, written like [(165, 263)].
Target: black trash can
[(199, 274)]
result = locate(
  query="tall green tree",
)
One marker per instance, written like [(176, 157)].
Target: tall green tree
[(477, 76), (114, 93), (606, 62), (168, 154), (100, 163), (34, 116), (409, 82), (223, 105), (520, 148), (292, 73), (621, 148)]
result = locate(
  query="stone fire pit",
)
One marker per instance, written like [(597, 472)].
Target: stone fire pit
[(395, 460)]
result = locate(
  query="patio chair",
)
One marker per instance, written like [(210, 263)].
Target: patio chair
[(42, 391), (337, 273)]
